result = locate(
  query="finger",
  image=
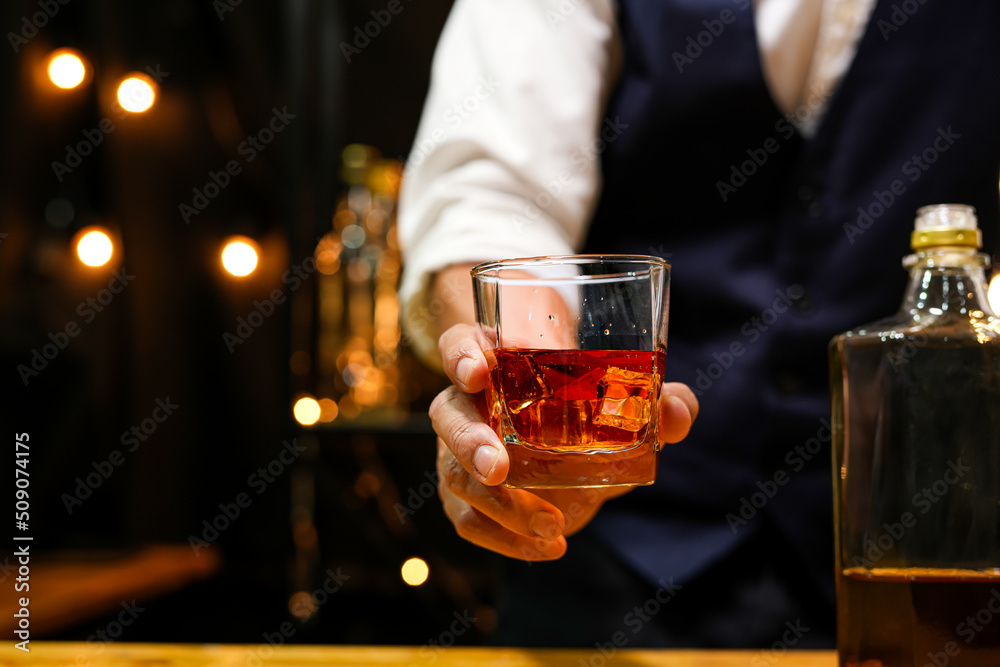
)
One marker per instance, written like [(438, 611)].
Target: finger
[(457, 420), (462, 357), (678, 410), (683, 392), (516, 510), (579, 506), (476, 527)]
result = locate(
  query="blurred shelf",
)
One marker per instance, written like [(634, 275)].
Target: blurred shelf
[(70, 587)]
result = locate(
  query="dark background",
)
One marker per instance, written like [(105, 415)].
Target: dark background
[(225, 68)]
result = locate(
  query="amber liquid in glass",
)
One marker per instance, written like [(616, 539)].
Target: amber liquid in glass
[(913, 617), (577, 417)]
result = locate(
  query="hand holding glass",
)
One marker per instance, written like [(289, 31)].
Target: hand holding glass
[(578, 347)]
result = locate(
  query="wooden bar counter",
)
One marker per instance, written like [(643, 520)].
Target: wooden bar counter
[(59, 654)]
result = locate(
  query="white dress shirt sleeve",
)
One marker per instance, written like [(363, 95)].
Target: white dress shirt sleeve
[(505, 162)]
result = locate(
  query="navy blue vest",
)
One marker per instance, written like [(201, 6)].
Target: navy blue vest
[(777, 244)]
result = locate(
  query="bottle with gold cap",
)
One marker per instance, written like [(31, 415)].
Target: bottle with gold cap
[(916, 453)]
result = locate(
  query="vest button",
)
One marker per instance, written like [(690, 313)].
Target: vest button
[(799, 300)]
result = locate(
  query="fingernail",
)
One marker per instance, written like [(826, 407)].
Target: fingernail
[(484, 459), (544, 524), (463, 371)]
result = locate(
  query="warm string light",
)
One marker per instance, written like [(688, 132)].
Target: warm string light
[(415, 571), (307, 411), (137, 93), (66, 69), (240, 255), (94, 246)]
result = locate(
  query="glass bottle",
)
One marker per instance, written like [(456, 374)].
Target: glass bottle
[(916, 453), (358, 316)]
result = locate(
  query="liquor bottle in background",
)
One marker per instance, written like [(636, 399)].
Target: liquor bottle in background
[(916, 452), (361, 369)]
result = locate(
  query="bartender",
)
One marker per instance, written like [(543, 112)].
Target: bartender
[(775, 153)]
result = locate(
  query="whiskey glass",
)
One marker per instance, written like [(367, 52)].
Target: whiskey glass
[(577, 350)]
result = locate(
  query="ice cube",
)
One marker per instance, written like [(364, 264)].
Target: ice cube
[(522, 382), (557, 425), (624, 399), (568, 387)]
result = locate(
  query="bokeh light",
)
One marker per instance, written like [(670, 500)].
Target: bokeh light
[(415, 571), (328, 409), (994, 294), (94, 246), (302, 605), (306, 411), (66, 69), (239, 255), (59, 213), (137, 93)]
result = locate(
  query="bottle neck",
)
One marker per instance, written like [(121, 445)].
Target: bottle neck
[(946, 281)]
